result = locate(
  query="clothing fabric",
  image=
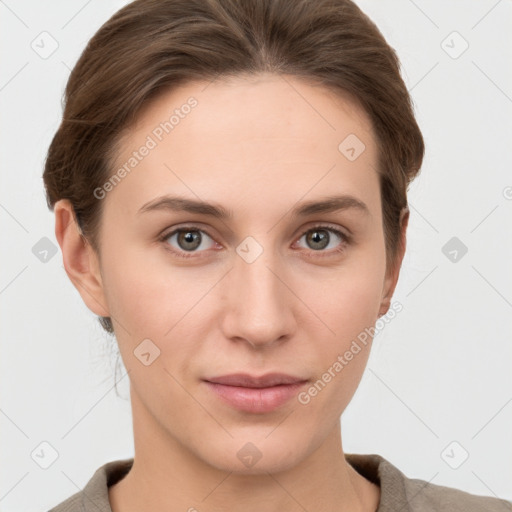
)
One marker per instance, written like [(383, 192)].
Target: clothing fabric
[(398, 492)]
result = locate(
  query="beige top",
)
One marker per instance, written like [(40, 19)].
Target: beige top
[(398, 493)]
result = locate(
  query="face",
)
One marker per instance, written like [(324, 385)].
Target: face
[(270, 286)]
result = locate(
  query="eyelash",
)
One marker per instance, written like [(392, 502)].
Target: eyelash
[(345, 240)]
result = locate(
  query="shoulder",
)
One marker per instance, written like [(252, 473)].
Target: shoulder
[(399, 492), (426, 496), (94, 496), (72, 504)]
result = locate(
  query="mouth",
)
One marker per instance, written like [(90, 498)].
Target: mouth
[(256, 394)]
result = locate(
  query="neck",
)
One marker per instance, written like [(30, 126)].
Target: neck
[(167, 475)]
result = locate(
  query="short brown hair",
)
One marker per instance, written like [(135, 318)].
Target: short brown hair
[(151, 46)]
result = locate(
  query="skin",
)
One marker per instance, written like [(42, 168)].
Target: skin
[(256, 146)]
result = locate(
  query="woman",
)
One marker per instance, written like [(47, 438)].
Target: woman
[(229, 184)]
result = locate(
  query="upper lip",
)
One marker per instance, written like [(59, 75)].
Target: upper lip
[(252, 381)]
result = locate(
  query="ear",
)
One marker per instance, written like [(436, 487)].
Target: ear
[(392, 273), (80, 260)]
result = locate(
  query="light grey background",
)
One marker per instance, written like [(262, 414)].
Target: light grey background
[(439, 373)]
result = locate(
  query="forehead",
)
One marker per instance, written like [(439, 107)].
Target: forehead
[(275, 136), (260, 105)]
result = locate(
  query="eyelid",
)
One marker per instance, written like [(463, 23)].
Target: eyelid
[(344, 232), (180, 253), (346, 239)]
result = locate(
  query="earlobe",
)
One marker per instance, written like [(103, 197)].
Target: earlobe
[(384, 306), (79, 259)]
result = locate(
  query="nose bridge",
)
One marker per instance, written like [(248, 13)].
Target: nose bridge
[(259, 302)]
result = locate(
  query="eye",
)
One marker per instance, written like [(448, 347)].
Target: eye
[(318, 238), (188, 240)]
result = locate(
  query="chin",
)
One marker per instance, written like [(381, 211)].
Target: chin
[(254, 454)]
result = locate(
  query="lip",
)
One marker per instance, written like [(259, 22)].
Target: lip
[(255, 394)]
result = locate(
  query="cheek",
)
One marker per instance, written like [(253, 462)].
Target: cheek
[(149, 296), (154, 303), (348, 302), (349, 307)]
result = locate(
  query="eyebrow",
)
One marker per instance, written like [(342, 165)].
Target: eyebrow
[(323, 205)]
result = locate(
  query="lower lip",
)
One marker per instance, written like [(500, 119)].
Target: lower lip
[(256, 400)]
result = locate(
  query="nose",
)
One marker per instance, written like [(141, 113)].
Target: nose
[(260, 307)]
